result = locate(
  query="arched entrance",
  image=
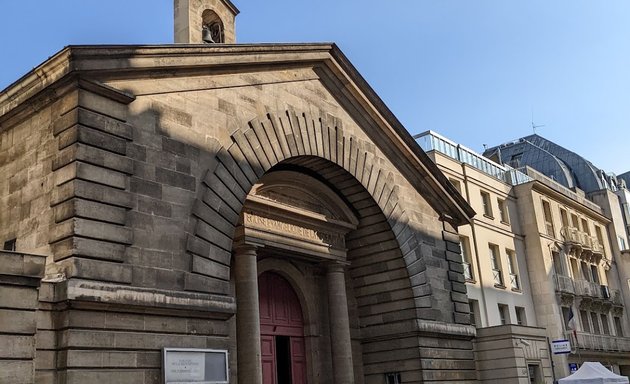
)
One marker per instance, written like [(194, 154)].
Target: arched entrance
[(281, 332)]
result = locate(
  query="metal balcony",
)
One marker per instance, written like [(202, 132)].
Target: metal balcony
[(498, 277), (468, 275), (514, 282)]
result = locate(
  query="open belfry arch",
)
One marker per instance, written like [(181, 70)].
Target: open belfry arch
[(188, 182)]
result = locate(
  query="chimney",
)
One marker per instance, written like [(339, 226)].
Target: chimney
[(205, 22)]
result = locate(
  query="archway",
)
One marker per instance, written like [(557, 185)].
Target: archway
[(281, 331), (378, 257)]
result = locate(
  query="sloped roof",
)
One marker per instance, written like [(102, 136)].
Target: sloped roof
[(566, 167), (100, 62)]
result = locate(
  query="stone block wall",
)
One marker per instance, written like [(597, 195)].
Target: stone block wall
[(142, 198), (91, 198), (20, 278), (502, 354)]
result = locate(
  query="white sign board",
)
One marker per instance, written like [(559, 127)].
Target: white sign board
[(195, 366), (185, 366), (560, 346)]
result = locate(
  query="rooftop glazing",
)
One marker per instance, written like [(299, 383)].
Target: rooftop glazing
[(432, 141)]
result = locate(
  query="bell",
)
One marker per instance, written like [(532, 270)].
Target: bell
[(206, 35)]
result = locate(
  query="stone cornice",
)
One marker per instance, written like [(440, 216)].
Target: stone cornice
[(545, 190), (115, 61)]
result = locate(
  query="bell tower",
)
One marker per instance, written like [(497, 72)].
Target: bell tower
[(205, 22)]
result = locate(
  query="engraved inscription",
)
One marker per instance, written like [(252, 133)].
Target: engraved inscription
[(285, 228)]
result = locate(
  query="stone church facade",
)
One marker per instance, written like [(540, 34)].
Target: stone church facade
[(257, 199)]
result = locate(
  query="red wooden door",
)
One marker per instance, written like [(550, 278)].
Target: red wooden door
[(282, 332)]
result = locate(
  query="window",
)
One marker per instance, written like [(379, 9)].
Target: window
[(487, 205), (474, 313), (467, 258), (575, 269), (513, 269), (605, 326), (622, 243), (585, 227), (503, 211), (515, 160), (586, 272), (557, 264), (594, 274), (9, 245), (393, 378), (599, 246), (520, 316), (504, 314), (456, 184), (574, 221), (618, 328), (586, 327), (566, 312), (595, 322), (533, 371), (548, 218), (564, 218), (598, 234), (495, 262)]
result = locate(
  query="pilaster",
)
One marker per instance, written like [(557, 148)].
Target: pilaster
[(91, 196), (340, 342), (247, 315)]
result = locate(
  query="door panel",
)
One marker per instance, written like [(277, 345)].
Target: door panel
[(281, 317), (268, 359), (298, 360)]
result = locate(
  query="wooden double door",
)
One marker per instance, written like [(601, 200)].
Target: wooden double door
[(281, 332)]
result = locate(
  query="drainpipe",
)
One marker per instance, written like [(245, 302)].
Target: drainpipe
[(474, 238)]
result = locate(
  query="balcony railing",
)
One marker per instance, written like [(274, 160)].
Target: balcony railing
[(468, 275), (584, 240), (498, 277), (514, 283), (572, 235), (564, 284), (431, 141), (588, 288), (605, 343), (597, 247)]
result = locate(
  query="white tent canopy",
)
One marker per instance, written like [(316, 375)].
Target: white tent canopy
[(594, 373)]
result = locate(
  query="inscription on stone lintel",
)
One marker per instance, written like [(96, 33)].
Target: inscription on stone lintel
[(283, 228)]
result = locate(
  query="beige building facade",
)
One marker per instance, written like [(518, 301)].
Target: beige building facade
[(564, 249), (509, 345), (162, 206), (573, 247)]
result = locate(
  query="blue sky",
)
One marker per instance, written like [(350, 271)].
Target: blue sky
[(471, 70)]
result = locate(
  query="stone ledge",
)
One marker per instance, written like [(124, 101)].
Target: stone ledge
[(418, 327), (116, 294), (20, 265)]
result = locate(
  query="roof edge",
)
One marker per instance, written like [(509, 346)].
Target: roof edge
[(419, 169)]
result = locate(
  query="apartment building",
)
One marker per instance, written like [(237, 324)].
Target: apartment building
[(573, 171), (509, 343), (565, 260), (572, 274)]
